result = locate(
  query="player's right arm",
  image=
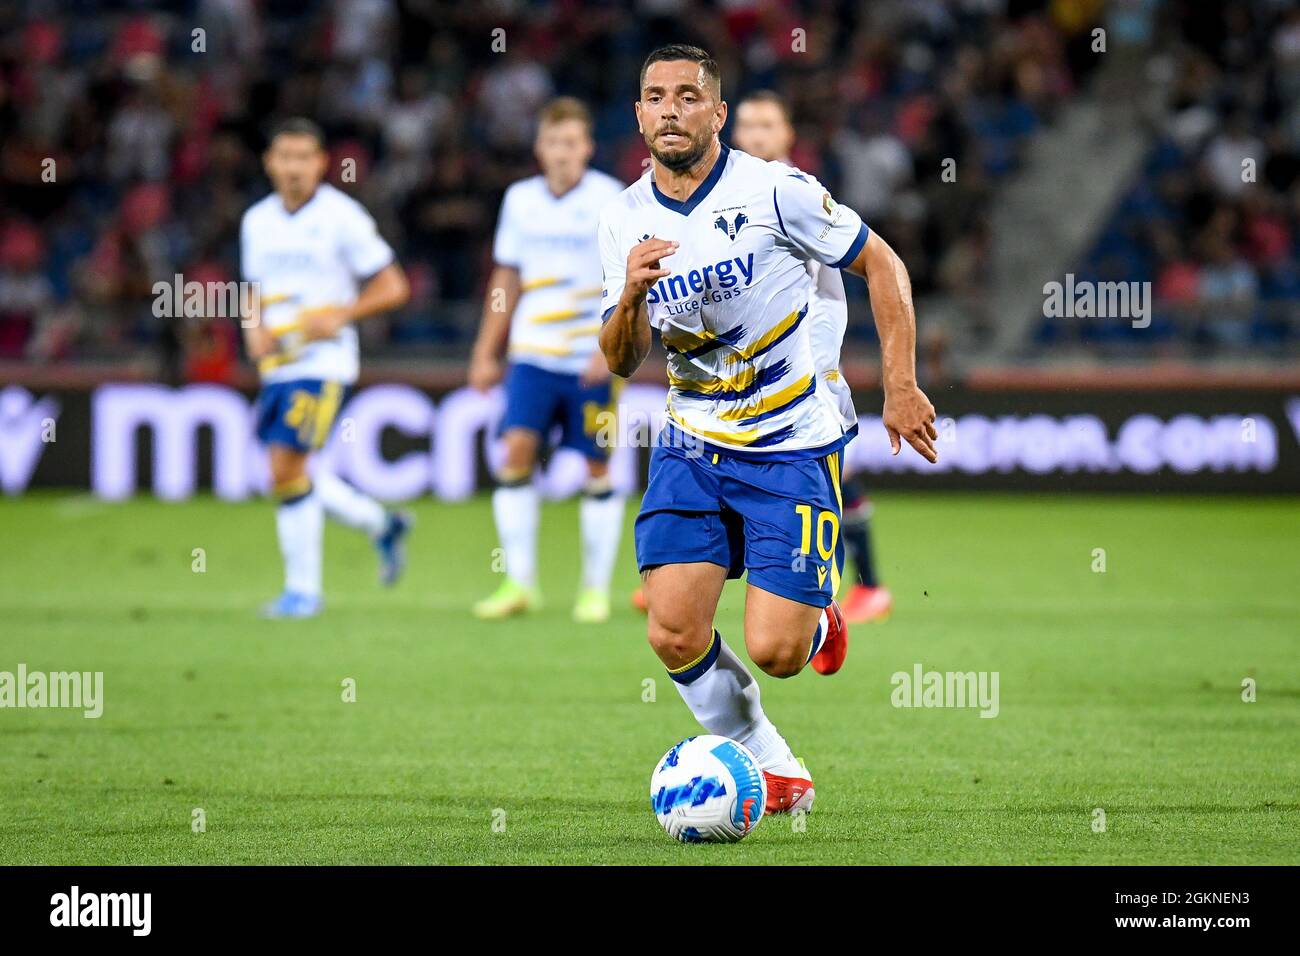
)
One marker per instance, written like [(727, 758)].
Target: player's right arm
[(625, 335), (834, 235), (504, 287)]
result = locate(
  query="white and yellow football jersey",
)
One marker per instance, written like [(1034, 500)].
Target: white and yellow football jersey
[(313, 258), (736, 313), (551, 240)]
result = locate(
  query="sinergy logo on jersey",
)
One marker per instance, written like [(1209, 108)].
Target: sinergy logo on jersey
[(713, 283)]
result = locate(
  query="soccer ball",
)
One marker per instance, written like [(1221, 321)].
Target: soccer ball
[(708, 789)]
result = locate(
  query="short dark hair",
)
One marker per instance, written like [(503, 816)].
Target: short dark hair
[(684, 51), (769, 96), (297, 126)]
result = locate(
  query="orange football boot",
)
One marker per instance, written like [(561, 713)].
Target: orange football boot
[(835, 647), (789, 794)]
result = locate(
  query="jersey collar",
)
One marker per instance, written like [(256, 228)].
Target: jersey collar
[(546, 188), (694, 199), (310, 199)]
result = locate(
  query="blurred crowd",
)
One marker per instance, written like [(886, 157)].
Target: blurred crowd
[(1213, 221), (130, 135)]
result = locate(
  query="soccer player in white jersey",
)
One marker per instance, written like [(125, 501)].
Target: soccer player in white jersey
[(710, 247), (763, 129), (320, 265), (542, 316)]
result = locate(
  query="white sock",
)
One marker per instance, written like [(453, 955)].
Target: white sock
[(299, 525), (724, 699), (819, 636), (601, 520), (516, 508), (347, 505)]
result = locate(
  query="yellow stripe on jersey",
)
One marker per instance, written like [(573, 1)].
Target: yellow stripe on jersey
[(593, 293), (556, 350), (735, 383), (532, 285), (271, 362), (563, 315), (771, 403), (277, 299), (723, 438), (764, 340), (683, 340), (582, 330)]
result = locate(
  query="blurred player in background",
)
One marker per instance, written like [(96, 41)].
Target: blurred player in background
[(542, 312), (764, 129), (320, 265)]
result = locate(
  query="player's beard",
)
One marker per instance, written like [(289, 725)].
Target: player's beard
[(681, 160)]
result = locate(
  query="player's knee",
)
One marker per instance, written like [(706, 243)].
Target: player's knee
[(677, 641), (777, 658), (521, 455), (287, 469)]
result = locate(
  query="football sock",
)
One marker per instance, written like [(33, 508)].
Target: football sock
[(299, 521), (515, 505), (600, 516), (723, 696), (345, 504), (819, 636), (857, 539)]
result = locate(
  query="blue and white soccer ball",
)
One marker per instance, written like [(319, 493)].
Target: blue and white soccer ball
[(708, 789)]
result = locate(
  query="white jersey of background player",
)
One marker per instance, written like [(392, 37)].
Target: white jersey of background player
[(320, 265), (763, 128)]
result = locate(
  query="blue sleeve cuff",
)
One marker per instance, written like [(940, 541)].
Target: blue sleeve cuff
[(604, 316), (858, 242)]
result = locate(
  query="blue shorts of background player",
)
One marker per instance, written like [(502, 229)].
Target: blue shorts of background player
[(539, 400), (778, 521), (299, 413)]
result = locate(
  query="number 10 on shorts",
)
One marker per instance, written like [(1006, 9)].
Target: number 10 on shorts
[(824, 518)]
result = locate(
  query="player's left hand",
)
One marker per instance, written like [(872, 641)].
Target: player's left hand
[(323, 323), (909, 415), (597, 371)]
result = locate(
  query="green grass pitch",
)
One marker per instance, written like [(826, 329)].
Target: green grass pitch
[(1119, 690)]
